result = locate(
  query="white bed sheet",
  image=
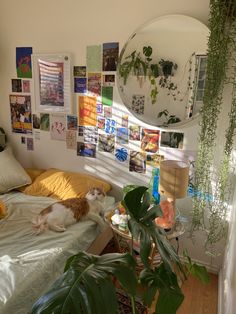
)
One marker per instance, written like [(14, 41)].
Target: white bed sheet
[(29, 264)]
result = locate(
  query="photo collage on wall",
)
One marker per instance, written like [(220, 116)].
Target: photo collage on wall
[(93, 128)]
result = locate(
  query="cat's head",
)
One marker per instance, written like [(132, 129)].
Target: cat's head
[(95, 194)]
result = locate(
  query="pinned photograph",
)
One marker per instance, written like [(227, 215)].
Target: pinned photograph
[(23, 62), (26, 86), (80, 130), (150, 140), (122, 136), (79, 71), (72, 122), (16, 86), (110, 56), (125, 121), (101, 123), (172, 139), (90, 134), (80, 85), (99, 108), (110, 126), (94, 58), (58, 127), (86, 149), (107, 95), (108, 112), (44, 121), (71, 139), (36, 121), (22, 140), (121, 154), (30, 143), (87, 110), (106, 143), (134, 132), (137, 162), (108, 80), (154, 160), (94, 83), (138, 102)]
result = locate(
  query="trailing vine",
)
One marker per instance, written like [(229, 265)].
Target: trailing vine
[(211, 202)]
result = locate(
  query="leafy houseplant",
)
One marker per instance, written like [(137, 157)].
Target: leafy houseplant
[(87, 285), (209, 213)]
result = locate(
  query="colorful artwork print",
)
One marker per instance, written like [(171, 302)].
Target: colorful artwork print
[(172, 139), (99, 108), (71, 139), (90, 134), (72, 122), (23, 62), (154, 160), (20, 107), (134, 132), (36, 121), (106, 143), (44, 121), (58, 127), (86, 149), (150, 140), (137, 162), (16, 86), (79, 71), (80, 85), (110, 126), (138, 102), (108, 112), (94, 58), (107, 95), (101, 123), (122, 136), (109, 80), (26, 86), (30, 143), (125, 121), (87, 110), (94, 83), (51, 83), (110, 56), (121, 154)]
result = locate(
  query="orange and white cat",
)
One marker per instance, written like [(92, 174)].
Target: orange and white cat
[(62, 214)]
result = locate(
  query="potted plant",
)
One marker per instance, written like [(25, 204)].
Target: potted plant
[(87, 285)]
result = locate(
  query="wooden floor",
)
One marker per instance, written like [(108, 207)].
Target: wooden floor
[(199, 298)]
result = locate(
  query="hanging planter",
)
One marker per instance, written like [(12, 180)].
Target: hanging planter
[(210, 202)]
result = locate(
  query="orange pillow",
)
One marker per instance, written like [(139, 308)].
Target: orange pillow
[(33, 173), (63, 184)]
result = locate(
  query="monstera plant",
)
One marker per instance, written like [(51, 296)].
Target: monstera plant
[(88, 283)]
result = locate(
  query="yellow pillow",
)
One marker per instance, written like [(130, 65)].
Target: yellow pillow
[(3, 210), (63, 184), (33, 173)]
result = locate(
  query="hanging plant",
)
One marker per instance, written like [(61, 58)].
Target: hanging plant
[(210, 202)]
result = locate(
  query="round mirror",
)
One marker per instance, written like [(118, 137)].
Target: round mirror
[(161, 70)]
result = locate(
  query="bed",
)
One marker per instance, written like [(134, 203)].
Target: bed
[(29, 264)]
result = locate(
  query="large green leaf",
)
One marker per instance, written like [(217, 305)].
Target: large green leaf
[(86, 286)]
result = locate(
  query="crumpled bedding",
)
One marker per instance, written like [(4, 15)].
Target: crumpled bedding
[(29, 264)]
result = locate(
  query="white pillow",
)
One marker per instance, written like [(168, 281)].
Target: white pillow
[(12, 174)]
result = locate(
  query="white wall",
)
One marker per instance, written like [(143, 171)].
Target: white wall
[(69, 26)]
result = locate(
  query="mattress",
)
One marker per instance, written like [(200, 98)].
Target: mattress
[(29, 264)]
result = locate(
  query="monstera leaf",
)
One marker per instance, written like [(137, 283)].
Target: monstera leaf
[(86, 286)]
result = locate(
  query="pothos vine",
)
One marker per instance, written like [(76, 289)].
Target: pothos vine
[(210, 203)]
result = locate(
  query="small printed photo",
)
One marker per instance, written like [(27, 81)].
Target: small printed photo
[(108, 80), (90, 134), (44, 121), (36, 121), (16, 85), (22, 140), (80, 130), (99, 108), (86, 149), (101, 123), (37, 134), (71, 139), (134, 132), (121, 154), (80, 71), (172, 139), (150, 140), (30, 143), (122, 136), (80, 85), (110, 56), (110, 126), (106, 143), (154, 160), (72, 122), (58, 127), (137, 162), (26, 86), (138, 102), (94, 83), (107, 112), (125, 121)]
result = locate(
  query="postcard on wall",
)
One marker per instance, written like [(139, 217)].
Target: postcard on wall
[(108, 80), (80, 130), (138, 102), (90, 134), (80, 85), (23, 62), (94, 58), (86, 149), (20, 107), (137, 162), (122, 136), (36, 121), (26, 86), (172, 139), (134, 132), (150, 140), (79, 71), (125, 121), (121, 154), (44, 121), (22, 140), (71, 139), (110, 126), (99, 108), (101, 123), (110, 56), (87, 110), (107, 95), (94, 83), (107, 112), (16, 85), (154, 160), (37, 134), (58, 127), (30, 143), (106, 143), (72, 122)]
